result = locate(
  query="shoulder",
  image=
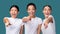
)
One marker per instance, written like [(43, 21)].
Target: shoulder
[(39, 18), (19, 19), (7, 17), (51, 16)]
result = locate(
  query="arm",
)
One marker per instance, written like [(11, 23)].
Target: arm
[(48, 20), (39, 29), (6, 21), (26, 19), (21, 29)]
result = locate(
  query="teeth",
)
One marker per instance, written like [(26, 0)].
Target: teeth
[(13, 14)]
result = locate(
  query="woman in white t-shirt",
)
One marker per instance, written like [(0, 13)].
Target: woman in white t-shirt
[(13, 24), (32, 23), (48, 26)]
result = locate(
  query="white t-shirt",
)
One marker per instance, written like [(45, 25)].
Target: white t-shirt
[(14, 28), (50, 29), (31, 26)]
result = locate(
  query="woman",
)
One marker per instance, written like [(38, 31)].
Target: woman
[(13, 24), (48, 26), (32, 23)]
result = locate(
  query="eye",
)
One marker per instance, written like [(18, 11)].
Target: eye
[(44, 9), (11, 9), (15, 10), (33, 9)]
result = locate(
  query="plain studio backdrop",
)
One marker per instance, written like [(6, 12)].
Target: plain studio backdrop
[(5, 5)]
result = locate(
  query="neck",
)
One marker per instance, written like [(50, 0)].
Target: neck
[(46, 16), (13, 17), (32, 16)]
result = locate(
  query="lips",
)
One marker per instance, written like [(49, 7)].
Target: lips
[(13, 14), (47, 13)]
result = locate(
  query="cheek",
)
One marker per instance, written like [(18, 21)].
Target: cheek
[(31, 10), (34, 11), (16, 13), (49, 11), (44, 12), (11, 12), (28, 11)]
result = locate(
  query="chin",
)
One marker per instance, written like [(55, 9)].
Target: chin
[(46, 15)]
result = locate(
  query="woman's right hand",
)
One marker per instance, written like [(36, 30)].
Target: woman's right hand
[(26, 19), (46, 25), (6, 21)]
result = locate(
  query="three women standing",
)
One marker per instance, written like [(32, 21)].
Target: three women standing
[(32, 23)]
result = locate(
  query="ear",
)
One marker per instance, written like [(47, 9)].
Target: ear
[(27, 11), (10, 12), (50, 11), (18, 12), (43, 11)]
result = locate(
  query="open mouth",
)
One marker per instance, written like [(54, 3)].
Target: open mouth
[(47, 13), (13, 14)]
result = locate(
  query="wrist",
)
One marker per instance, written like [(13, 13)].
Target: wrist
[(7, 24)]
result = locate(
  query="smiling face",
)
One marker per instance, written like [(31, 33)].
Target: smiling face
[(31, 10), (47, 11), (13, 12)]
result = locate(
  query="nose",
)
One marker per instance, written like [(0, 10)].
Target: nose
[(13, 11), (47, 11)]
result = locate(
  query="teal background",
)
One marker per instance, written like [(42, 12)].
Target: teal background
[(5, 5)]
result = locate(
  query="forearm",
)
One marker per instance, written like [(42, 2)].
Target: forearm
[(21, 30), (39, 29), (49, 20), (46, 21), (6, 21)]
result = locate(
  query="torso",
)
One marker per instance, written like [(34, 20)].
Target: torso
[(50, 29), (31, 26), (14, 27)]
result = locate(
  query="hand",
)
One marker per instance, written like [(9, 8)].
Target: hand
[(46, 25), (26, 19), (6, 21)]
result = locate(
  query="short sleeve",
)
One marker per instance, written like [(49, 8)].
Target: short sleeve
[(51, 16), (22, 23), (7, 17), (39, 21)]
